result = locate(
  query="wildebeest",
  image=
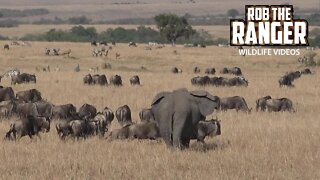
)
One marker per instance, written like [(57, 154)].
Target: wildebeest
[(77, 68), (146, 115), (94, 43), (237, 81), (123, 115), (206, 128), (288, 78), (146, 130), (132, 44), (176, 70), (31, 95), (200, 81), (23, 78), (87, 79), (7, 108), (306, 71), (87, 111), (26, 109), (135, 80), (66, 111), (234, 70), (44, 108), (6, 47), (282, 104), (30, 125), (196, 69), (99, 80), (261, 103), (6, 93), (210, 71), (116, 80), (104, 120), (235, 102)]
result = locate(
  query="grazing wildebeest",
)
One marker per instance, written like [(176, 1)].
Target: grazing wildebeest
[(146, 130), (44, 108), (176, 70), (87, 79), (237, 81), (146, 115), (99, 79), (6, 93), (104, 120), (66, 111), (135, 80), (26, 109), (210, 71), (206, 128), (306, 71), (6, 47), (94, 43), (31, 125), (200, 81), (282, 104), (196, 69), (234, 70), (116, 80), (23, 78), (87, 111), (132, 44), (261, 103), (123, 115), (235, 102), (288, 78), (31, 95)]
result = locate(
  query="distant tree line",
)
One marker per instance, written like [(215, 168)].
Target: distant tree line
[(141, 34), (22, 13)]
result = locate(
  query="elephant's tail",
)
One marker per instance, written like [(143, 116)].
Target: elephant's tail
[(171, 128)]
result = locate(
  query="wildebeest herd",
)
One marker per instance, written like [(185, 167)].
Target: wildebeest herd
[(176, 117)]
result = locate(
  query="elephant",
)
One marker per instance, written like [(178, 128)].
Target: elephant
[(116, 80), (146, 130), (210, 71), (135, 80), (177, 113), (30, 125), (123, 115), (87, 79), (6, 93), (261, 103), (282, 104), (31, 95), (146, 115), (196, 69), (87, 111), (234, 102)]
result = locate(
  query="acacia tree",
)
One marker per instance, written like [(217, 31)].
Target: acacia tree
[(172, 27)]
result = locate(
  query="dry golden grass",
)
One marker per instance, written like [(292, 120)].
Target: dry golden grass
[(252, 146)]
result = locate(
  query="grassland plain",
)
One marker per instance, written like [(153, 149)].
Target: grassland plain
[(252, 146)]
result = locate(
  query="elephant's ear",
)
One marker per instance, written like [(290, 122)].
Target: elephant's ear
[(158, 97), (207, 102)]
